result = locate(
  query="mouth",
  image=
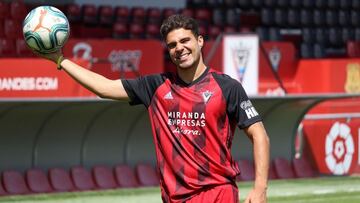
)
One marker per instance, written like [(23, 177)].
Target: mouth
[(182, 57)]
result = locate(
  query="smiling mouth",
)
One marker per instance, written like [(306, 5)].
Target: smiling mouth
[(182, 57)]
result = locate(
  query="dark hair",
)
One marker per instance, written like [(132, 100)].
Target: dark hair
[(179, 21)]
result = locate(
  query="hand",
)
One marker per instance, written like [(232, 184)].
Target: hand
[(256, 195)]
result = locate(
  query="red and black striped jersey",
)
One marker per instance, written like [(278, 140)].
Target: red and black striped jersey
[(193, 127)]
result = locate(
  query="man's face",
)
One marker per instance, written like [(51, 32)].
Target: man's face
[(184, 48)]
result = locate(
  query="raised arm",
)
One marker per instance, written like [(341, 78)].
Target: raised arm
[(96, 83), (260, 140)]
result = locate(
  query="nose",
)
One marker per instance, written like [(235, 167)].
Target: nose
[(179, 47)]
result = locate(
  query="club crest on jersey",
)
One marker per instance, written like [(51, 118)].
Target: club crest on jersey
[(249, 109), (206, 95), (168, 96)]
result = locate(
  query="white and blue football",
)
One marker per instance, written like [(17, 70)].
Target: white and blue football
[(46, 29)]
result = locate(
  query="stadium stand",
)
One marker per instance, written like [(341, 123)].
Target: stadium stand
[(104, 177), (303, 168), (106, 17), (60, 180), (22, 50), (146, 174), (283, 168), (7, 47), (272, 173), (125, 176), (247, 170), (37, 181), (82, 178), (2, 190), (14, 182)]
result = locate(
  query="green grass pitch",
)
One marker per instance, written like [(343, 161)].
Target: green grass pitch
[(319, 190)]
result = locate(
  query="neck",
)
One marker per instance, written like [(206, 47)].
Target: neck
[(189, 75)]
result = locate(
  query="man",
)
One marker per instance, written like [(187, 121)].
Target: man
[(193, 113)]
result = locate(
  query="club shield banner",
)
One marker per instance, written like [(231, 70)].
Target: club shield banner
[(241, 59)]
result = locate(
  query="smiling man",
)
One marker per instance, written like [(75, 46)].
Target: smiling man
[(193, 113)]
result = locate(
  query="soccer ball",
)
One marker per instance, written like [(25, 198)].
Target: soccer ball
[(46, 29)]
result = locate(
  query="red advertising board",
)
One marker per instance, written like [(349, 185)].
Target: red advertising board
[(118, 58), (39, 78)]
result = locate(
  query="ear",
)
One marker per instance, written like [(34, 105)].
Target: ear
[(200, 40)]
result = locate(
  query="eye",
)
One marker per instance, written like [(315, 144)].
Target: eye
[(184, 40), (171, 45)]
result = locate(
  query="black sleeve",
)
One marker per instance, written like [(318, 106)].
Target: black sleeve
[(239, 106), (142, 89)]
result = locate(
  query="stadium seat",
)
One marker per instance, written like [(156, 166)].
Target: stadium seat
[(73, 13), (331, 18), (306, 17), (308, 3), (306, 50), (319, 17), (218, 16), (146, 175), (295, 3), (283, 168), (12, 29), (345, 5), (7, 47), (280, 17), (136, 31), (187, 12), (125, 176), (166, 12), (203, 16), (270, 3), (302, 168), (354, 18), (106, 17), (232, 17), (335, 36), (138, 15), (122, 14), (283, 3), (319, 51), (347, 34), (293, 18), (321, 36), (14, 182), (353, 49), (22, 50), (2, 190), (244, 4), (274, 34), (267, 17), (89, 14), (153, 15), (4, 10), (272, 173), (247, 170), (152, 31), (263, 33), (308, 35), (37, 181), (214, 31), (60, 180), (355, 4), (229, 29), (120, 31), (320, 4), (18, 10), (82, 178), (203, 32), (256, 3), (335, 4), (104, 177), (217, 3), (344, 18)]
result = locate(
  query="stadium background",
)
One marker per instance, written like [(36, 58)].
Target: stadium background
[(56, 129)]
